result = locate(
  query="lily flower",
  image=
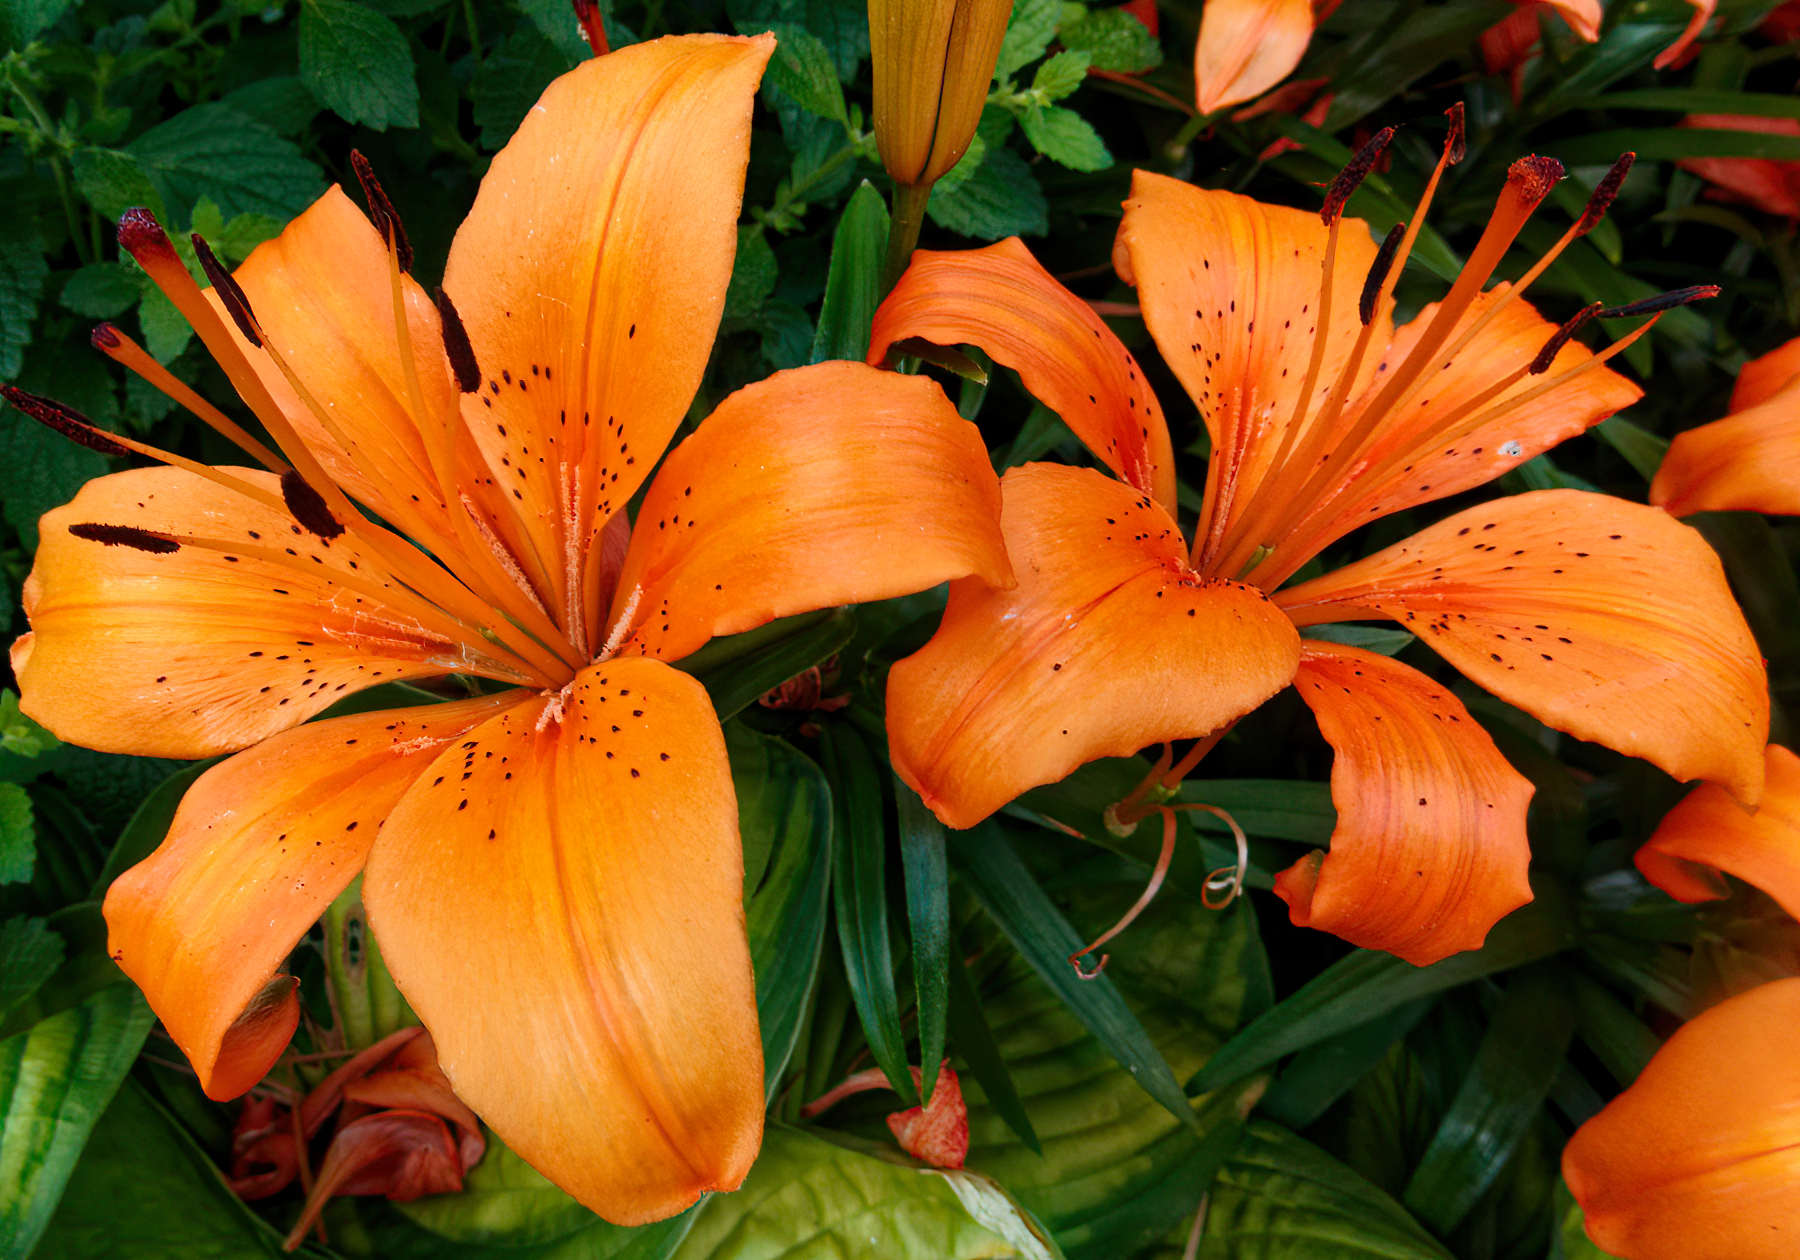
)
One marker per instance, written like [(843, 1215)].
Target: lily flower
[(1604, 619), (1700, 1158), (937, 1132), (1750, 460), (1771, 185), (1512, 43), (551, 868)]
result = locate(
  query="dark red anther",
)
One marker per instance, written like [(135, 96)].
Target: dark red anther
[(1560, 338), (127, 536), (381, 210), (229, 292), (1607, 189), (456, 344), (593, 26), (1662, 302), (1351, 177), (1378, 273), (65, 420), (308, 506), (140, 234), (1456, 145), (1533, 177), (104, 337)]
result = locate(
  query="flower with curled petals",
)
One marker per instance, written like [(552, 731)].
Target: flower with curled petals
[(552, 867), (1750, 460), (1602, 618)]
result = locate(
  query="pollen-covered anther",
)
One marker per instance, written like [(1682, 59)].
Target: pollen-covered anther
[(1456, 145), (1378, 272), (1661, 302), (1351, 177), (1531, 178), (141, 236), (1604, 192), (308, 506), (230, 293), (1560, 338), (104, 337), (457, 347), (126, 536), (65, 420), (381, 210)]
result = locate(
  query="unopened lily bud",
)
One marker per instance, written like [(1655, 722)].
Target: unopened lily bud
[(933, 61)]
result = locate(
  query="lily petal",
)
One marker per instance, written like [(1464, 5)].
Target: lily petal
[(202, 651), (1703, 11), (826, 485), (1602, 618), (1430, 849), (1700, 1158), (1109, 643), (1001, 299), (1230, 291), (564, 911), (261, 845), (1246, 47), (1709, 832), (591, 274), (1766, 376), (1747, 462)]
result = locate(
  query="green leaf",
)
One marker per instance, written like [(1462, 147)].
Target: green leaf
[(356, 62), (1060, 75), (1499, 1099), (102, 290), (1038, 930), (785, 817), (852, 285), (281, 103), (1028, 34), (1700, 101), (44, 470), (114, 182), (22, 21), (19, 735), (1066, 137), (1665, 144), (510, 81), (55, 1081), (1281, 1198), (753, 273), (1114, 40), (505, 1202), (1323, 1072), (22, 272), (859, 896), (29, 955), (166, 330), (808, 1197), (18, 838), (1000, 199), (1571, 1241), (1642, 449), (1432, 35), (1619, 1039), (242, 166), (1366, 984), (738, 668), (974, 1040), (184, 1212), (1383, 639), (802, 67), (928, 920)]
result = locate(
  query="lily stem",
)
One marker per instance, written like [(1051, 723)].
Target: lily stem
[(903, 230)]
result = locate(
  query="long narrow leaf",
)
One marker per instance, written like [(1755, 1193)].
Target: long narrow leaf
[(974, 1040), (1038, 930), (1323, 1073), (928, 918), (851, 292)]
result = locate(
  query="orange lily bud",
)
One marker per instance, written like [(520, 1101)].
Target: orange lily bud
[(937, 1133), (933, 62)]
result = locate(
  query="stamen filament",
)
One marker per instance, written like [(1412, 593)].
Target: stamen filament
[(121, 349)]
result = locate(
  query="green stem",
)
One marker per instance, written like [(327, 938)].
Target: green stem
[(903, 230), (474, 30)]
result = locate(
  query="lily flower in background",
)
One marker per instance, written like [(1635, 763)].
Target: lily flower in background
[(1602, 618), (1512, 43), (551, 867), (1771, 185), (1700, 1158), (1750, 460)]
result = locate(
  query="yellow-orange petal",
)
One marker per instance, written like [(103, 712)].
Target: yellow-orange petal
[(1430, 849), (1700, 1158), (1230, 291), (1710, 832), (1001, 299), (1246, 47), (825, 485), (1583, 17), (591, 274), (259, 848), (1747, 462), (1764, 376), (1602, 618), (564, 911), (201, 651), (1108, 644), (1703, 11)]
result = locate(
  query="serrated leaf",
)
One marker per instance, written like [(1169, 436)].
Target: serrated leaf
[(55, 1081), (19, 735), (18, 838), (282, 103), (511, 80), (22, 273), (166, 330), (966, 165), (1064, 136), (22, 21), (1000, 199), (802, 67), (753, 273), (1028, 34), (1060, 75), (44, 470), (214, 151), (1114, 40), (113, 182), (30, 953), (356, 62), (852, 282), (102, 290)]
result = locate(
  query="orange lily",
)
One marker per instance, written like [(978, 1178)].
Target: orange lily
[(1512, 43), (1709, 832), (1771, 185), (552, 870), (1750, 460), (1602, 618), (1700, 1158)]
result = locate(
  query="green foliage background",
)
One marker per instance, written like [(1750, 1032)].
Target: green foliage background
[(1307, 1099)]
